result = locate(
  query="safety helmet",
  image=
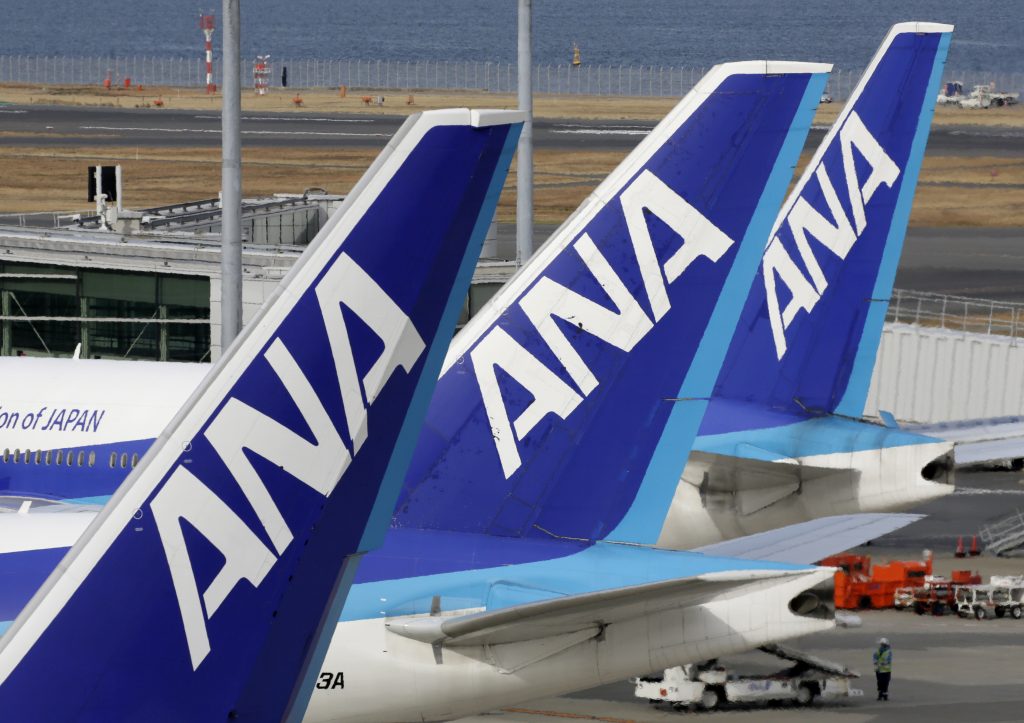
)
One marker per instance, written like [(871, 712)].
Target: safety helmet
[(883, 641)]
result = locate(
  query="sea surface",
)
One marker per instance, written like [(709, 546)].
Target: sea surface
[(989, 34)]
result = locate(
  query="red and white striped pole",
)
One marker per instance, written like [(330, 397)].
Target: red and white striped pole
[(206, 23)]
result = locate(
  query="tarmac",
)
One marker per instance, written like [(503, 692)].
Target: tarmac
[(944, 668), (983, 262), (40, 125), (980, 262)]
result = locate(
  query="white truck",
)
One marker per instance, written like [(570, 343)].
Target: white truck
[(982, 96), (709, 685)]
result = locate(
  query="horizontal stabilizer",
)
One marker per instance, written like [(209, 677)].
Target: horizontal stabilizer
[(573, 613), (55, 526), (810, 541), (978, 440), (723, 473)]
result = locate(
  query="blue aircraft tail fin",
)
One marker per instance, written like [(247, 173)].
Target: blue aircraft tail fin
[(201, 590), (809, 332), (568, 404)]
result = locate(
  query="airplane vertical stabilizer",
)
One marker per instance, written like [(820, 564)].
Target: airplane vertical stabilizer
[(200, 591), (809, 331), (568, 404)]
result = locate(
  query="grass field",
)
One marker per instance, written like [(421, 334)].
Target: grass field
[(953, 190), (319, 99)]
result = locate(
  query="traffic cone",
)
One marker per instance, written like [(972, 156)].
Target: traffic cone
[(974, 546), (959, 547)]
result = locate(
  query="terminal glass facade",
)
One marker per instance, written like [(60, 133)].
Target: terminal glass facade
[(50, 310)]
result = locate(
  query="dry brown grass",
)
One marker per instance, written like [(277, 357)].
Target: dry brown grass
[(157, 176), (323, 100), (953, 190)]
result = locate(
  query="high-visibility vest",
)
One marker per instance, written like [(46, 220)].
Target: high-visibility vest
[(883, 660)]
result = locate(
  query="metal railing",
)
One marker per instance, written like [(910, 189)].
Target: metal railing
[(36, 219), (497, 77), (956, 313), (1004, 535)]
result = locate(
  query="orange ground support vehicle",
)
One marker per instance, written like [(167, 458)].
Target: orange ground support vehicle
[(859, 585)]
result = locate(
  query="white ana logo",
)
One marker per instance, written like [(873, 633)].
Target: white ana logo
[(838, 235), (319, 464), (622, 327)]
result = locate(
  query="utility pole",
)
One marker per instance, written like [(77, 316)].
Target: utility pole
[(524, 168), (231, 180)]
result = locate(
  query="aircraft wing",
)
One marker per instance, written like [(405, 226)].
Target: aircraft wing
[(810, 541), (586, 611), (978, 440)]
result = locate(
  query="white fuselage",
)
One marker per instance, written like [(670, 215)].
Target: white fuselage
[(136, 400), (389, 678), (873, 480)]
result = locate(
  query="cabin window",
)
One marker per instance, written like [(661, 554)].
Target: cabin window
[(92, 458), (38, 456), (124, 460), (7, 456), (81, 458), (60, 456), (113, 459), (48, 458), (28, 455), (135, 460), (70, 457)]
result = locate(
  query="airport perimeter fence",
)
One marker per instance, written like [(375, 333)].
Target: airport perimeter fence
[(957, 313), (397, 75)]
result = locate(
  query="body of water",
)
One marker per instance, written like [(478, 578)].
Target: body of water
[(989, 34)]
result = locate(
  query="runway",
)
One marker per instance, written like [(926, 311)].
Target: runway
[(166, 127), (982, 262)]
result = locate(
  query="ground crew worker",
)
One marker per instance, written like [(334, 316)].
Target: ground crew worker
[(883, 667)]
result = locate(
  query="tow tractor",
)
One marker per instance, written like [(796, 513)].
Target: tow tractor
[(709, 685)]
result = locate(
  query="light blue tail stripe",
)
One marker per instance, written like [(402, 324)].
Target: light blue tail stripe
[(856, 394), (642, 523), (97, 500)]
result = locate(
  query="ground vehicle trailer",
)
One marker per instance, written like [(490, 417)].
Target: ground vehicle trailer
[(859, 585), (984, 601), (936, 597), (906, 597), (710, 685)]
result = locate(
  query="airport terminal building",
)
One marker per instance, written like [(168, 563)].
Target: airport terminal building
[(150, 287)]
